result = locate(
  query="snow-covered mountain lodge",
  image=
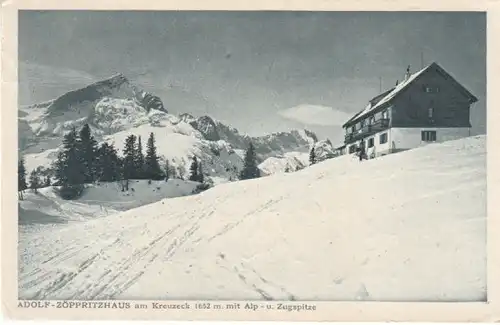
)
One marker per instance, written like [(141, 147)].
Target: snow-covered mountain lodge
[(427, 106)]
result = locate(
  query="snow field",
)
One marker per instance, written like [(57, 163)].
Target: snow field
[(409, 226)]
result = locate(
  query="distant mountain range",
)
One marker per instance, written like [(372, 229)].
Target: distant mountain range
[(115, 108)]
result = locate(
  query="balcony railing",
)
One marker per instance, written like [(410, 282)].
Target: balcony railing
[(367, 130)]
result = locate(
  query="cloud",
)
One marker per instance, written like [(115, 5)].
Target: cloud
[(315, 115)]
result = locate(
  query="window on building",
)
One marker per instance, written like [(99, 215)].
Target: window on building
[(385, 114), (371, 120), (429, 136), (361, 124), (383, 138), (429, 89), (371, 143), (352, 149), (431, 112)]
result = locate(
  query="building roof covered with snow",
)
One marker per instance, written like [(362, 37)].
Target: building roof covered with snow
[(385, 99)]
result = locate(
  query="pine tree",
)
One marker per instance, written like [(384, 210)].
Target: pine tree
[(87, 148), (108, 167), (21, 178), (139, 160), (312, 156), (167, 170), (151, 164), (34, 181), (201, 178), (250, 169), (47, 181), (121, 173), (181, 171), (21, 175), (129, 159), (287, 169), (193, 170), (60, 168), (69, 167)]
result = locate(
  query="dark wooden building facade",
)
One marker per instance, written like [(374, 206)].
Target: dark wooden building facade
[(427, 106)]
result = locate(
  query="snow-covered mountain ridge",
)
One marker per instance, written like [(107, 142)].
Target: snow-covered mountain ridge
[(265, 146), (404, 227), (90, 104)]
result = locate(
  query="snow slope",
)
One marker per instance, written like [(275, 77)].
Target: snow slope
[(104, 199), (407, 226), (291, 161)]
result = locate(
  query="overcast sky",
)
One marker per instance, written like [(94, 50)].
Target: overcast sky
[(257, 71)]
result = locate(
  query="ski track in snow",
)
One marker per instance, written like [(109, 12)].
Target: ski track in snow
[(89, 281), (339, 250), (107, 283)]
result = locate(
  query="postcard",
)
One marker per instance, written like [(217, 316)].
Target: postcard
[(292, 161)]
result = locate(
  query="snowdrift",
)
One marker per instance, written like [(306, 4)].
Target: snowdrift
[(405, 227)]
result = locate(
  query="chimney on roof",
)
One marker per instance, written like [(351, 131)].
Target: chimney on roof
[(397, 82), (407, 75)]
